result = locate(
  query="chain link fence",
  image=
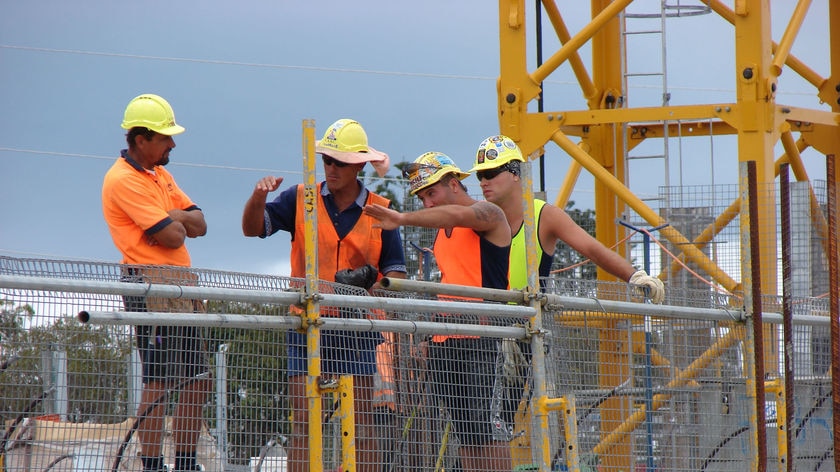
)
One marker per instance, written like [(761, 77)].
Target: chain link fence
[(663, 389)]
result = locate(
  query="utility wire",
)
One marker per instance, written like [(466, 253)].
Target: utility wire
[(428, 75), (250, 64)]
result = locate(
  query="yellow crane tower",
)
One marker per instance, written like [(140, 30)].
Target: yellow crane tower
[(601, 137)]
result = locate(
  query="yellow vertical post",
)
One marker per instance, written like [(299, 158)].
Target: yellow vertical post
[(607, 147), (757, 135), (516, 87), (540, 430), (570, 432), (777, 389), (311, 307), (348, 423), (604, 141), (749, 340)]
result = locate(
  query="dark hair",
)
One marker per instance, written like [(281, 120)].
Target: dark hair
[(138, 131), (450, 176)]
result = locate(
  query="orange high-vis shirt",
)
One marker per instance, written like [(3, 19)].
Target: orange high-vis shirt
[(135, 203)]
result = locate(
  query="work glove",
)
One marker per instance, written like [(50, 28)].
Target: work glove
[(640, 281), (514, 362), (364, 276)]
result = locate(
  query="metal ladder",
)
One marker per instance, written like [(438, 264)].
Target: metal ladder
[(646, 24)]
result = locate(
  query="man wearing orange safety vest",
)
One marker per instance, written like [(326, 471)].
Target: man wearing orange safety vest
[(472, 248), (347, 239)]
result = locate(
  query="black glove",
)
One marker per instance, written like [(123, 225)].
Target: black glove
[(363, 277)]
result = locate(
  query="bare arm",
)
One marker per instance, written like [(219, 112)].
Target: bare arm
[(557, 224), (171, 236), (481, 216), (444, 216), (193, 222), (253, 216)]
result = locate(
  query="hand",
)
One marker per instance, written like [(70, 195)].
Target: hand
[(640, 280), (388, 219), (268, 184)]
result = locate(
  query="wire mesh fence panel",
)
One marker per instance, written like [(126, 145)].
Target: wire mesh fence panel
[(663, 392)]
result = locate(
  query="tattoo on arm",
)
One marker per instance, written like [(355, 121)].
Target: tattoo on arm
[(484, 212)]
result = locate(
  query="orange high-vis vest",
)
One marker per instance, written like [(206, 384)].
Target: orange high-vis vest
[(362, 245), (459, 258)]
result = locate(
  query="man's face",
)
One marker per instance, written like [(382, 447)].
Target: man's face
[(496, 183), (156, 150), (434, 195), (339, 173)]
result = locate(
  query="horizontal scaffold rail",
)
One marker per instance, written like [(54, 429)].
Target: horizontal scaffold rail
[(283, 298), (326, 323), (295, 297), (552, 302)]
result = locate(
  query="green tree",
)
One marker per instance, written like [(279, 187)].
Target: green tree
[(385, 185), (96, 365), (566, 257)]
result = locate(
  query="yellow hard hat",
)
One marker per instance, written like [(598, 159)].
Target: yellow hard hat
[(496, 151), (428, 169), (346, 141), (153, 112), (345, 135)]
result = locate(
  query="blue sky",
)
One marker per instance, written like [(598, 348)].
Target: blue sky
[(242, 76)]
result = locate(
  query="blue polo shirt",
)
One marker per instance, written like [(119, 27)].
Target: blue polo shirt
[(280, 216)]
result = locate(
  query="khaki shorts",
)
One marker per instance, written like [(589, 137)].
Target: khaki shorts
[(168, 353)]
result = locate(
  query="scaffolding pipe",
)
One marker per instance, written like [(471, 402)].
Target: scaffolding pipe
[(26, 282), (287, 323), (834, 295), (754, 344), (552, 302), (787, 311)]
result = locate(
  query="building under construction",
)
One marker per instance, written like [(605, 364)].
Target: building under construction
[(733, 372)]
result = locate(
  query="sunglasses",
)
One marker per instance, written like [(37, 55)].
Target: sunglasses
[(414, 168), (491, 174), (329, 161)]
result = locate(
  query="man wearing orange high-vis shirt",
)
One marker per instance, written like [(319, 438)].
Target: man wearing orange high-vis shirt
[(471, 248), (149, 218)]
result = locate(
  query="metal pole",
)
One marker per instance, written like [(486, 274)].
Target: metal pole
[(754, 344), (648, 361), (221, 401), (312, 311), (787, 314), (834, 296)]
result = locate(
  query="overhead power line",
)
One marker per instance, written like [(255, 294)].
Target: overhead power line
[(249, 64), (175, 164), (345, 70)]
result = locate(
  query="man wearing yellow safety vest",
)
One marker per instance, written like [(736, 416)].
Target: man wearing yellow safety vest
[(347, 239), (497, 167), (471, 248)]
